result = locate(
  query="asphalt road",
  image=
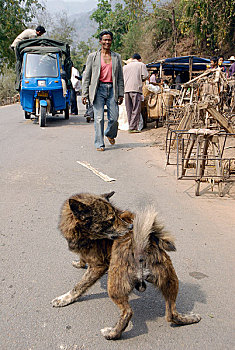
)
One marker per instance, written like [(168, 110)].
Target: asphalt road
[(39, 170)]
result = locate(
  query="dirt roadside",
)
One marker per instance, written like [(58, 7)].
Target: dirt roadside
[(209, 200)]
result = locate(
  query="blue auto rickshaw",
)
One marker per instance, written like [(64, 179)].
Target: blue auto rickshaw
[(44, 71)]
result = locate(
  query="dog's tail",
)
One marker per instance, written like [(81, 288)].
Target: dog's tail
[(148, 232)]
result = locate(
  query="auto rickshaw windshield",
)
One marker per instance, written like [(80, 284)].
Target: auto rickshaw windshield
[(41, 65)]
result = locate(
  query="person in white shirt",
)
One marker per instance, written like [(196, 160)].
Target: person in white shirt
[(135, 72), (28, 34), (76, 88)]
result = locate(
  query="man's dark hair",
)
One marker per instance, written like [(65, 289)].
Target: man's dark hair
[(41, 29), (105, 32), (136, 56), (214, 59), (221, 56)]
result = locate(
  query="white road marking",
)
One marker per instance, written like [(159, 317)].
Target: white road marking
[(96, 172)]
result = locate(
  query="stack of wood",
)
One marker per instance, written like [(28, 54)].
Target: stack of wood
[(207, 98), (201, 131)]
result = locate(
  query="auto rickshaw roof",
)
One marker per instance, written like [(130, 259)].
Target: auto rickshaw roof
[(42, 44), (42, 49)]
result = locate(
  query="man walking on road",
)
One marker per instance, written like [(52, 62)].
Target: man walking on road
[(135, 72), (102, 84)]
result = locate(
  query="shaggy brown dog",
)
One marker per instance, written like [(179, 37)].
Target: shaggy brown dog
[(131, 247)]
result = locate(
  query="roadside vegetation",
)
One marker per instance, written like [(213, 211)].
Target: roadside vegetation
[(8, 94), (154, 28), (159, 29)]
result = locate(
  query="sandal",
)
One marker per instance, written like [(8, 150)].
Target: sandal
[(111, 141)]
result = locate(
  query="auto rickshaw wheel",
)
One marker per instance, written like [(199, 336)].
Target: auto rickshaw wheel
[(42, 116), (26, 115), (66, 111)]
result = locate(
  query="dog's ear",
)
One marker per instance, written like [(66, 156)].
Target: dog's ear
[(167, 244), (164, 242), (108, 195), (77, 207)]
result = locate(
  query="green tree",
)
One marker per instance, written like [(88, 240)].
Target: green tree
[(137, 9), (132, 41), (14, 17), (7, 83), (80, 52), (119, 19), (153, 24), (164, 24), (101, 13), (211, 21), (118, 22)]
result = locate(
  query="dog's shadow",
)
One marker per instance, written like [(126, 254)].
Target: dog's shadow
[(150, 305)]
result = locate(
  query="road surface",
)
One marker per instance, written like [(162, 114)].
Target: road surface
[(39, 170)]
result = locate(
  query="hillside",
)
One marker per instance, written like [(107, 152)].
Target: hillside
[(83, 25), (184, 47)]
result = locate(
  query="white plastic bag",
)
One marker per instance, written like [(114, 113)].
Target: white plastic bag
[(122, 120)]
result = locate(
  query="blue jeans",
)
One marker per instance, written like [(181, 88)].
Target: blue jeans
[(104, 97)]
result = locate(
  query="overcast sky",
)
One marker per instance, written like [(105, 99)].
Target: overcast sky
[(70, 6), (45, 1)]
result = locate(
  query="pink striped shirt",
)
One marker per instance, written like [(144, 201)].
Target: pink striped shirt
[(106, 72)]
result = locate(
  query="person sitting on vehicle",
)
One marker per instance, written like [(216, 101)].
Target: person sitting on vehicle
[(28, 34)]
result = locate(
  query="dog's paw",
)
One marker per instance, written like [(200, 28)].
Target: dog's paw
[(195, 317), (192, 318), (78, 264), (182, 319), (109, 333), (62, 300)]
